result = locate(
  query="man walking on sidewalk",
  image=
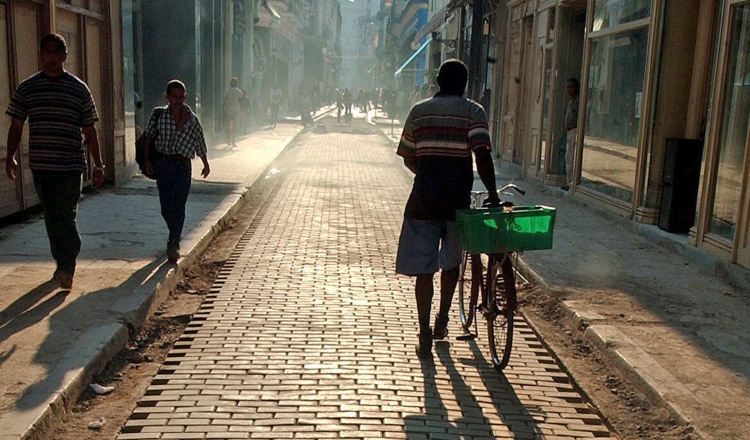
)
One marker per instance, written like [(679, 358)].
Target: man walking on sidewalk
[(275, 97), (437, 142), (59, 107), (232, 109), (572, 88), (177, 135)]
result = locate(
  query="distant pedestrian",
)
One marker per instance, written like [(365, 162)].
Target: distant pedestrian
[(440, 134), (275, 97), (389, 103), (246, 105), (232, 107), (177, 135), (572, 88), (366, 101), (339, 105), (425, 91), (486, 100), (305, 106), (355, 97), (315, 99), (59, 107), (415, 96), (346, 97)]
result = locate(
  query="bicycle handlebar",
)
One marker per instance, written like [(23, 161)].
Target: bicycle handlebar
[(475, 195), (511, 186)]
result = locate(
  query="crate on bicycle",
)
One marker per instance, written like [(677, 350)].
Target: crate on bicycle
[(506, 229)]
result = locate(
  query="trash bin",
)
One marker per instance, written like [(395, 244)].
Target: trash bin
[(680, 180)]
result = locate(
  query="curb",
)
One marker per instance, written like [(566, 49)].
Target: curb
[(618, 351), (101, 345)]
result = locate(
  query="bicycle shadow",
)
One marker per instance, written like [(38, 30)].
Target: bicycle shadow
[(511, 418)]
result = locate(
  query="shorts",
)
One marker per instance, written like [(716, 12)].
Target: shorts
[(425, 246)]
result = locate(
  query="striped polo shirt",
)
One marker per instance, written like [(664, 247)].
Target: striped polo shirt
[(56, 107), (440, 134)]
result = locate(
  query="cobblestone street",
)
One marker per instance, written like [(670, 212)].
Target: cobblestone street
[(309, 334)]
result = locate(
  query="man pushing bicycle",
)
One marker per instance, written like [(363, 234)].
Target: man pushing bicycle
[(437, 142)]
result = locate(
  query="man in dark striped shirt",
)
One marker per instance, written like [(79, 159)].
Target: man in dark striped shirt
[(59, 107), (440, 134)]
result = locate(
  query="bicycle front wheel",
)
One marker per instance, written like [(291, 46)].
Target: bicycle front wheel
[(501, 299), (466, 301)]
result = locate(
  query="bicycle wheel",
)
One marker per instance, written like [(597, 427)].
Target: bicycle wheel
[(501, 297), (466, 301)]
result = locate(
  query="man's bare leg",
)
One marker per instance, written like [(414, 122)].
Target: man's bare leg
[(424, 292), (448, 281)]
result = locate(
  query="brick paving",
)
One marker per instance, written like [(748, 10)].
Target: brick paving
[(309, 334)]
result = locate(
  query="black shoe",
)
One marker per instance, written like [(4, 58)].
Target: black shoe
[(173, 251), (65, 278), (441, 327), (424, 347)]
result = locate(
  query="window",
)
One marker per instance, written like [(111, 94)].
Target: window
[(611, 13), (613, 109), (734, 131)]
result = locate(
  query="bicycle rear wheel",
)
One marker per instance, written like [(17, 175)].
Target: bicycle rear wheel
[(466, 301), (501, 298)]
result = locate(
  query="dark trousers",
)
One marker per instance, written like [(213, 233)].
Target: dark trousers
[(59, 193), (173, 178)]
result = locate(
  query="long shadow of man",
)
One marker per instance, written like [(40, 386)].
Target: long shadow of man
[(469, 420)]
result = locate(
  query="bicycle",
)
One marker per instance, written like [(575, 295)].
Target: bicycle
[(486, 267)]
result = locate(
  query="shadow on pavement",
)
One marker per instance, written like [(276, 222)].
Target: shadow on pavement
[(76, 337), (473, 423)]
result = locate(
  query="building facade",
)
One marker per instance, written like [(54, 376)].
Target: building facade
[(407, 18), (427, 33), (663, 116)]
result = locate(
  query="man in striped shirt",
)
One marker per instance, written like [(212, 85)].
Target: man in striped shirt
[(59, 107), (175, 132), (440, 134)]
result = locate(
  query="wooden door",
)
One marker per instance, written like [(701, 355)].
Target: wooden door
[(26, 16)]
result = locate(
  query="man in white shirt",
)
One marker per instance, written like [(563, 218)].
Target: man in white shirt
[(275, 97), (232, 110), (572, 89)]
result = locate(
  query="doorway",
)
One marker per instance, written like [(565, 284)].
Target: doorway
[(568, 63)]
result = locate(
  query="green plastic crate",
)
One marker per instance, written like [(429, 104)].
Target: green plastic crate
[(496, 230)]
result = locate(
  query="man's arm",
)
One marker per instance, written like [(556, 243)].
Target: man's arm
[(486, 171), (14, 141), (411, 164), (92, 140), (206, 167), (147, 165)]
